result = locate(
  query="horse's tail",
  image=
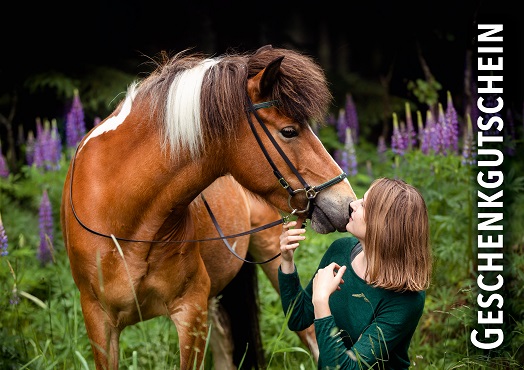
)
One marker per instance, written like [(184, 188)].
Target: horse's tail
[(241, 303)]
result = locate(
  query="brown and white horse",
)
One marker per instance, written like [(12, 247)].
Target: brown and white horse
[(126, 211)]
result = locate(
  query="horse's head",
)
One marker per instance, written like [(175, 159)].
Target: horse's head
[(286, 91)]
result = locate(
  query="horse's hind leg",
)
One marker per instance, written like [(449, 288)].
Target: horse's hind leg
[(102, 334)]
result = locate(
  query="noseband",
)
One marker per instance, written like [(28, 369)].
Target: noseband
[(309, 191)]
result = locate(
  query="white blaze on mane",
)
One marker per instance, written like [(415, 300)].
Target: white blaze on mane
[(112, 123), (183, 126)]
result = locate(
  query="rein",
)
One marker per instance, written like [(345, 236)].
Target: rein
[(310, 192)]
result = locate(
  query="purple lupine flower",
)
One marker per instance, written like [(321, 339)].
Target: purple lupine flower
[(39, 155), (55, 146), (405, 140), (411, 135), (30, 148), (341, 126), (468, 152), (96, 121), (351, 153), (15, 298), (39, 127), (421, 131), (397, 141), (4, 170), (46, 229), (3, 239), (431, 134), (352, 118), (75, 124), (452, 121), (47, 147), (382, 148), (342, 160), (444, 132), (46, 144)]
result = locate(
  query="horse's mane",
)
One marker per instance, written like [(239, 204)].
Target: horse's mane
[(197, 98)]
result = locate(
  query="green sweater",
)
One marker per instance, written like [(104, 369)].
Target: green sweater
[(374, 324)]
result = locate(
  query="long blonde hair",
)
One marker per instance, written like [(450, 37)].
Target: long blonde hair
[(397, 244)]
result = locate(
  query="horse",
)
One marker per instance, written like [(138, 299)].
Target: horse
[(125, 208)]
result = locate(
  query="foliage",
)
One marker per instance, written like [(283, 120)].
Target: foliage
[(41, 325), (425, 91), (52, 334)]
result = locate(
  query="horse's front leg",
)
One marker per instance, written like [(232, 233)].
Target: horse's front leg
[(103, 336), (190, 315)]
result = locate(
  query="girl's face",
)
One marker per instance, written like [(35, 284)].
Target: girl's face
[(356, 224)]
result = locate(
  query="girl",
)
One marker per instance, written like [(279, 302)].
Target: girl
[(368, 294)]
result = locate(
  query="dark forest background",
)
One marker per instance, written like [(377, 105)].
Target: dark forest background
[(370, 49)]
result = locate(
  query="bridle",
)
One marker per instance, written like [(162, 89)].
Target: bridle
[(310, 191)]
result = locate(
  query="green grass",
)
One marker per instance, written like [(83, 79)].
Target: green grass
[(45, 329)]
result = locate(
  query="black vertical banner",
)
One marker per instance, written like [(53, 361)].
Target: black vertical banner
[(499, 182)]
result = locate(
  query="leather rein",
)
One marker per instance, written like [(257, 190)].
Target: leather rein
[(310, 191)]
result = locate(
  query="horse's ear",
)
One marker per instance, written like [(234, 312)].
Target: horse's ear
[(269, 76), (262, 48)]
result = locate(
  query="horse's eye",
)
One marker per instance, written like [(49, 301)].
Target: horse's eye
[(289, 132)]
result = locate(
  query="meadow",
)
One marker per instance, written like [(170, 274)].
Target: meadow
[(41, 324)]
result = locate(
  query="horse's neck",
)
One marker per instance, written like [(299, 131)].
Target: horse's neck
[(173, 211)]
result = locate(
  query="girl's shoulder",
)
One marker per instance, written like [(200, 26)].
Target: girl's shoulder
[(341, 247), (413, 302), (345, 244)]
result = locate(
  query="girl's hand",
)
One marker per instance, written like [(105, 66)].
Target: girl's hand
[(289, 241), (325, 282)]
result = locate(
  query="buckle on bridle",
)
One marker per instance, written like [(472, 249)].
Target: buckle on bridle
[(311, 193), (283, 183), (296, 210)]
